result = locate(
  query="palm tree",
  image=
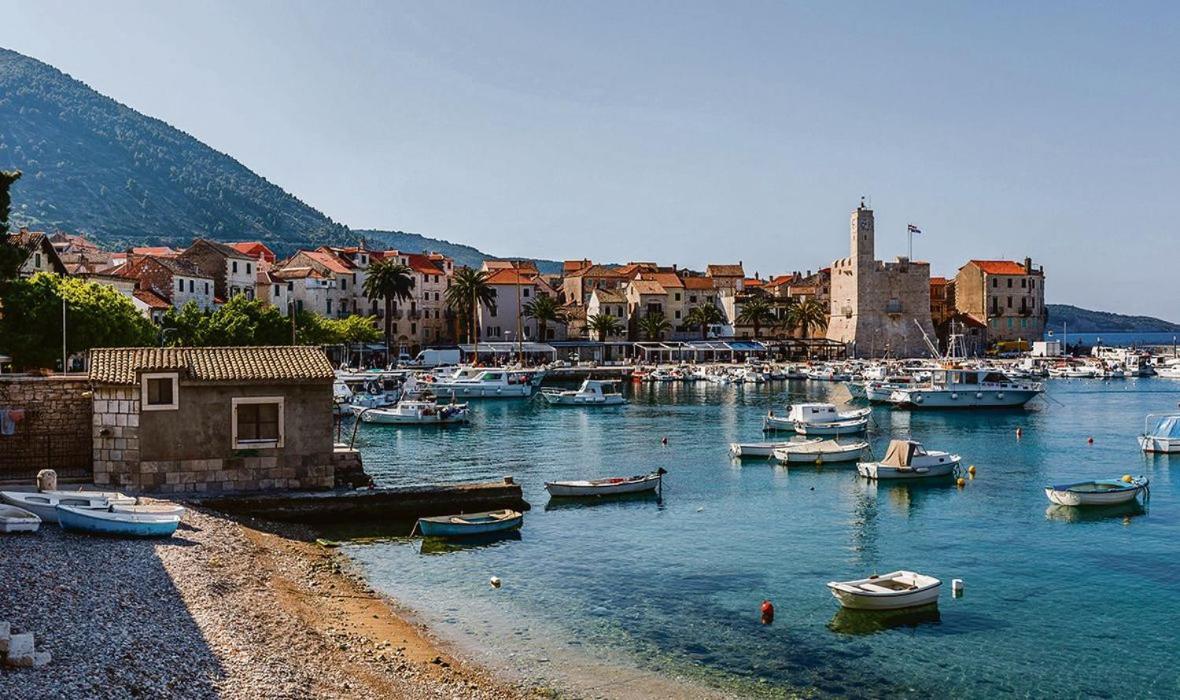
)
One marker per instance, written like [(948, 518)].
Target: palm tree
[(809, 316), (388, 280), (604, 325), (469, 288), (755, 312), (544, 309), (654, 325), (785, 312), (704, 316)]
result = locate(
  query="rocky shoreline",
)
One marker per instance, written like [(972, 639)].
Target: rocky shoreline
[(224, 609)]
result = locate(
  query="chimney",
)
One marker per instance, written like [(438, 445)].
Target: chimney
[(1028, 266)]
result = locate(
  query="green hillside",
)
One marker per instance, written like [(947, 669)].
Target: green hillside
[(1081, 320)]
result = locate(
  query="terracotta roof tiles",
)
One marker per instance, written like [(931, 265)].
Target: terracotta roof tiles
[(267, 364)]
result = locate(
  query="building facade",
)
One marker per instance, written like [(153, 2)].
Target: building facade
[(1006, 296)]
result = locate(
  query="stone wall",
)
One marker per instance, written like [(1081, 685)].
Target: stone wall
[(55, 430)]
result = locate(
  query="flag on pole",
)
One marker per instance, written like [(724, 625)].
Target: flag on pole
[(914, 229)]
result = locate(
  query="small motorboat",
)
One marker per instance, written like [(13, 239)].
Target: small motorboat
[(593, 392), (819, 419), (416, 412), (764, 450), (1102, 492), (820, 452), (612, 486), (892, 591), (465, 525), (107, 522), (13, 519), (907, 459), (1161, 433), (843, 427), (44, 503)]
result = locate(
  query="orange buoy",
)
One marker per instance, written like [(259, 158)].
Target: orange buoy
[(1089, 441), (767, 612)]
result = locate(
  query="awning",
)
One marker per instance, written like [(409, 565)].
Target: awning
[(508, 348)]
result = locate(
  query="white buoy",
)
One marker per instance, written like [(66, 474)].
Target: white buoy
[(495, 582), (957, 587)]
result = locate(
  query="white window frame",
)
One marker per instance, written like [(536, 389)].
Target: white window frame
[(143, 387), (257, 444)]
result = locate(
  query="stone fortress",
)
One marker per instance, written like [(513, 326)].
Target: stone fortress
[(874, 303)]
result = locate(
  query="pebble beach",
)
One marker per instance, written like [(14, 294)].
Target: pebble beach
[(223, 609)]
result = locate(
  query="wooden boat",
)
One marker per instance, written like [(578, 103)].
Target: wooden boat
[(763, 450), (151, 508), (907, 459), (1103, 492), (892, 591), (819, 452), (465, 525), (13, 519), (44, 503), (612, 486), (106, 522)]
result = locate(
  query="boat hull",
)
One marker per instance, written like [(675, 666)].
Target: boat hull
[(474, 391), (44, 504), (842, 428), (755, 450), (442, 527), (887, 601), (100, 522), (14, 519), (563, 400), (390, 418), (938, 398), (1065, 497), (802, 456), (1161, 445), (883, 472), (570, 490)]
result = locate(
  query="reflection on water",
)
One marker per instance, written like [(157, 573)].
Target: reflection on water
[(604, 502), (1074, 514), (438, 545), (862, 622)]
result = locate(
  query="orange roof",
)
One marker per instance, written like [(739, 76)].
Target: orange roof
[(297, 273), (423, 264), (647, 287), (725, 271), (511, 276), (572, 266), (597, 271), (256, 249), (698, 283), (779, 280), (153, 300), (633, 268), (329, 260), (999, 267), (158, 251), (937, 281), (667, 280), (753, 282)]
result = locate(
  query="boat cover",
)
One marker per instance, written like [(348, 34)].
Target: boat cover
[(1165, 427), (901, 453)]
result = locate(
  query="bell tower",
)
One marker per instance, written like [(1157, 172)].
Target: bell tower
[(862, 236)]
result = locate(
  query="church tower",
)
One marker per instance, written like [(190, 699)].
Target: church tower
[(863, 252)]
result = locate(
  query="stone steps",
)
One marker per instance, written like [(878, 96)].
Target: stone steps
[(18, 650)]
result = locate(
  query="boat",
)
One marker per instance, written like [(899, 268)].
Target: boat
[(593, 392), (1100, 492), (418, 411), (606, 487), (820, 452), (1169, 371), (480, 383), (13, 519), (150, 509), (762, 450), (465, 525), (892, 591), (907, 459), (106, 522), (44, 503), (1161, 433), (967, 388), (819, 419)]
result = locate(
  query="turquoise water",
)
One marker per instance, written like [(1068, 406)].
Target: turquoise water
[(1056, 603)]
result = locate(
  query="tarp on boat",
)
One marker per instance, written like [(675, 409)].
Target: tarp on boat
[(901, 453), (1165, 427)]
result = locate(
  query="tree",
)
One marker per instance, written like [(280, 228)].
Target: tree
[(388, 280), (704, 316), (95, 316), (604, 325), (654, 325), (755, 312), (544, 309), (242, 321), (354, 329), (187, 326), (11, 257), (810, 315), (469, 288)]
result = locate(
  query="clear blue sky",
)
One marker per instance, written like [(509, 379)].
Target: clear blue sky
[(683, 132)]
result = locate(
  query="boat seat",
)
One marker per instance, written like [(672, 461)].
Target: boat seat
[(874, 588)]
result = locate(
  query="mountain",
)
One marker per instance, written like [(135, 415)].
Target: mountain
[(462, 254), (1086, 321)]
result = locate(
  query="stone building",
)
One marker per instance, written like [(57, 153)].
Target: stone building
[(1006, 296), (878, 307), (233, 271), (40, 255), (198, 420), (175, 280)]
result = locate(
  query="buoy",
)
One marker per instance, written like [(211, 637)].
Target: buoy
[(767, 612), (664, 440), (971, 470), (1127, 478), (495, 582), (957, 587), (1019, 432), (1090, 441), (961, 482)]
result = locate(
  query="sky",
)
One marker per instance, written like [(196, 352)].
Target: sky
[(683, 132)]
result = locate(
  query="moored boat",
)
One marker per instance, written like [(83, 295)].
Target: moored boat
[(892, 591), (44, 503), (763, 450), (464, 525), (150, 509), (416, 412), (820, 452), (125, 524), (1100, 492), (819, 419), (606, 487), (1161, 433), (907, 459), (13, 519), (967, 388), (592, 392)]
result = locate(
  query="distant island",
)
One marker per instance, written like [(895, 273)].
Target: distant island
[(1081, 320)]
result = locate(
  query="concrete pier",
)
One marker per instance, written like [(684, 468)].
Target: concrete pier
[(372, 505)]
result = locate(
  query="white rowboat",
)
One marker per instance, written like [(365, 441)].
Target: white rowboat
[(606, 487), (764, 450), (820, 452), (13, 519), (1097, 493), (44, 504), (897, 589)]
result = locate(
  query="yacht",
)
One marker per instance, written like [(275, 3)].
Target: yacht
[(486, 383), (967, 388), (593, 392)]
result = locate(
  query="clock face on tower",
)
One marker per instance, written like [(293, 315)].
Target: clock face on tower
[(864, 225)]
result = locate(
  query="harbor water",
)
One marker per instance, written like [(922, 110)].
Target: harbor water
[(1058, 602)]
